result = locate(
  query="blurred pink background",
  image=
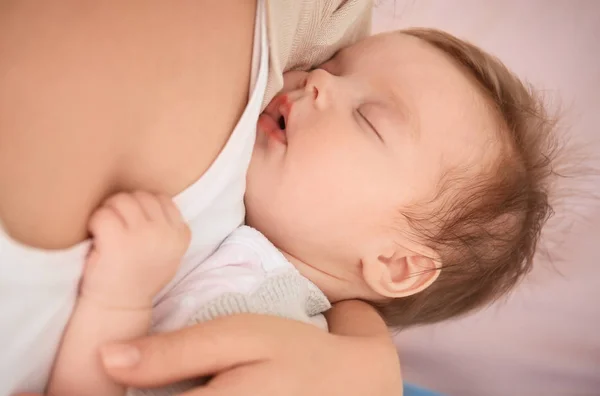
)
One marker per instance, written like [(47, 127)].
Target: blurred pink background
[(545, 338)]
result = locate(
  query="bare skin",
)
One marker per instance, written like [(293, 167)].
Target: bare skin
[(99, 97)]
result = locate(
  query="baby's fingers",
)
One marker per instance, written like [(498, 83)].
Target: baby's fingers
[(175, 218), (150, 205), (105, 221), (127, 207), (170, 210)]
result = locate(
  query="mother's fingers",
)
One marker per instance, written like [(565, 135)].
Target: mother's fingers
[(239, 381), (195, 351)]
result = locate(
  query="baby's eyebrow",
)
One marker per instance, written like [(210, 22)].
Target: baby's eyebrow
[(400, 105)]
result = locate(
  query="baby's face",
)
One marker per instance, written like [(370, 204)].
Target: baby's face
[(368, 134)]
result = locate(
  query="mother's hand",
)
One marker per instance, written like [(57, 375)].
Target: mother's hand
[(263, 355)]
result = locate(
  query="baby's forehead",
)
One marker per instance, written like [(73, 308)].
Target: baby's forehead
[(466, 133), (409, 66), (433, 87), (455, 122), (386, 46)]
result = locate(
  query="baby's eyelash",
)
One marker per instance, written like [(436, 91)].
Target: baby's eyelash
[(361, 115)]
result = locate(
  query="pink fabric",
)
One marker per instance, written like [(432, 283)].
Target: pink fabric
[(544, 339), (241, 264)]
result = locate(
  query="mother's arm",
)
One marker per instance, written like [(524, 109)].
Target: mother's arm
[(268, 356), (264, 355)]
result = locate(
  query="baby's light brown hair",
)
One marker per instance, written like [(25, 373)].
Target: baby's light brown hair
[(486, 233)]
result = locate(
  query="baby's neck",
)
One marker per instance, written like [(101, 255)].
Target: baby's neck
[(336, 289)]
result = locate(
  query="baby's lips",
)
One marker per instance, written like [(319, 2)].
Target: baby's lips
[(281, 105), (271, 128), (273, 107), (285, 108)]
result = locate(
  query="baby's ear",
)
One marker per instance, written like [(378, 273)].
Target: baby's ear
[(400, 273)]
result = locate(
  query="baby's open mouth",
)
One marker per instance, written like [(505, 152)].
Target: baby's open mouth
[(282, 123), (273, 128), (280, 133), (273, 121)]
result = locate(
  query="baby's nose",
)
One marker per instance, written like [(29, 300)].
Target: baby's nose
[(318, 83)]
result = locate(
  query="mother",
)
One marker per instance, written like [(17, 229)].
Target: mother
[(98, 97)]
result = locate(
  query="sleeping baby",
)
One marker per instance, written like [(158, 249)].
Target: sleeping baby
[(410, 171)]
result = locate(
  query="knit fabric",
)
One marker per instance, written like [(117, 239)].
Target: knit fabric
[(305, 33)]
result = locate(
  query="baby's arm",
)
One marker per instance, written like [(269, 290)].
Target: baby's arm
[(139, 240)]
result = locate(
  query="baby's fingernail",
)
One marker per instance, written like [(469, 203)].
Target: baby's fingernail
[(120, 356)]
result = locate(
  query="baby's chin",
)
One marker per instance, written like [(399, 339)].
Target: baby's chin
[(261, 213), (255, 218)]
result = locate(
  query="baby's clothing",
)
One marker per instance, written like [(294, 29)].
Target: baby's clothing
[(247, 274), (38, 288)]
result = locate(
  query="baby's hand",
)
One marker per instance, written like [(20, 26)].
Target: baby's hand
[(138, 242)]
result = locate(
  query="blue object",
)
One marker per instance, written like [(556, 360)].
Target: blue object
[(412, 390)]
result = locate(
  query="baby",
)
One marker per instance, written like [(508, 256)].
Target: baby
[(409, 171)]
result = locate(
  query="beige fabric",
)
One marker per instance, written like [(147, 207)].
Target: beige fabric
[(305, 33)]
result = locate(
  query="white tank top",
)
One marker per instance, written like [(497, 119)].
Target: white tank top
[(38, 288)]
